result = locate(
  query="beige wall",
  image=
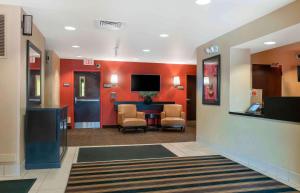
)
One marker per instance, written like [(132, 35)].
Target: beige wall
[(258, 141), (13, 86), (285, 56), (10, 86), (52, 72)]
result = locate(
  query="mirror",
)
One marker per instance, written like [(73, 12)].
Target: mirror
[(34, 87)]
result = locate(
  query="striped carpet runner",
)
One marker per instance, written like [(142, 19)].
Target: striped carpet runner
[(170, 175)]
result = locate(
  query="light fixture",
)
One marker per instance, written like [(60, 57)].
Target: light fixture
[(70, 28), (27, 25), (176, 81), (206, 80), (114, 79), (164, 35), (270, 43), (79, 56), (203, 2), (146, 50), (75, 46)]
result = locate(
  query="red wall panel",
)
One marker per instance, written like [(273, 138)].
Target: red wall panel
[(123, 90)]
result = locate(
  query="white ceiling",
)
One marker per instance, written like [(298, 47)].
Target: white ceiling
[(188, 25), (283, 37)]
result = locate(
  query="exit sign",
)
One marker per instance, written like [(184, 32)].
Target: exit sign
[(88, 62)]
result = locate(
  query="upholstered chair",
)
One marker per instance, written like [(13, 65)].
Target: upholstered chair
[(129, 118), (173, 117)]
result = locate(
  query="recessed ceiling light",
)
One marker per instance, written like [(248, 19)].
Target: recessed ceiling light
[(70, 28), (75, 46), (164, 35), (146, 50), (270, 43), (79, 56), (203, 2)]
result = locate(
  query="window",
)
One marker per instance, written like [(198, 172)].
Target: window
[(82, 86)]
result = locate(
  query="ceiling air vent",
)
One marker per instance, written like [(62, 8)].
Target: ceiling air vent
[(2, 35), (110, 25)]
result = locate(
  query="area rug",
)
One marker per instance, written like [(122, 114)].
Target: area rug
[(16, 186), (123, 153), (169, 175)]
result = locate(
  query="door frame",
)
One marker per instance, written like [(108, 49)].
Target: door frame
[(186, 96), (73, 94)]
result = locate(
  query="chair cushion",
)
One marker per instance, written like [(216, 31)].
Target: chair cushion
[(134, 122), (173, 121), (173, 110), (128, 110)]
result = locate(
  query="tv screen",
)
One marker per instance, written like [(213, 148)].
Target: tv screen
[(298, 73), (145, 82)]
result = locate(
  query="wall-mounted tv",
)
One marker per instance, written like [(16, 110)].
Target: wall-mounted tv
[(298, 73), (145, 82)]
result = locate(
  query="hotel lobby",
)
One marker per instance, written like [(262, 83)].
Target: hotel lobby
[(149, 96)]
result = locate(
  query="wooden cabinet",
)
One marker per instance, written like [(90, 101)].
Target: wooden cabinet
[(45, 137)]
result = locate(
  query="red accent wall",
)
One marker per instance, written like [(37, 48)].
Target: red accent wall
[(123, 90)]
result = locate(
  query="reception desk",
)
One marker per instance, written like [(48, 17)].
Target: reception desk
[(278, 108)]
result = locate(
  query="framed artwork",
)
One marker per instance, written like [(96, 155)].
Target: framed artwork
[(211, 83)]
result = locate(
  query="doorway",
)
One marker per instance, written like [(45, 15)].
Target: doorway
[(87, 100), (191, 97)]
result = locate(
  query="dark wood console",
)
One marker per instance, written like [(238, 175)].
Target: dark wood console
[(45, 137), (141, 106)]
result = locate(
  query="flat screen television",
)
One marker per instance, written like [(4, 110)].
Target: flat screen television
[(145, 82), (298, 73)]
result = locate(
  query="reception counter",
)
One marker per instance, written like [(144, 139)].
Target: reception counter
[(278, 108)]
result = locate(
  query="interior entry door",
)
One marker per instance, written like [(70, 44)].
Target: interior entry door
[(191, 97), (87, 100)]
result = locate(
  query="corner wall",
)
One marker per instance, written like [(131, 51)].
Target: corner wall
[(13, 91), (267, 145)]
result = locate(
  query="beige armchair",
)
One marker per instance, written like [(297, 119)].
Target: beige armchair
[(129, 118), (173, 117)]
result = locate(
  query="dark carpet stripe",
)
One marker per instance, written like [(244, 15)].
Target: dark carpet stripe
[(275, 190), (151, 169), (159, 173), (160, 177), (189, 185), (210, 174), (136, 162)]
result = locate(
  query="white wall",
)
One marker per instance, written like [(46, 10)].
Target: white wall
[(240, 79), (268, 145)]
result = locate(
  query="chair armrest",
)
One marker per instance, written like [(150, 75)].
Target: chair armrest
[(163, 115), (140, 115), (182, 115), (120, 118)]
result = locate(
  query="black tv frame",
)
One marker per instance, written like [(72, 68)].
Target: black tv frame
[(145, 75)]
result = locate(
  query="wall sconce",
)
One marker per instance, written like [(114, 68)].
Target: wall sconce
[(176, 81), (114, 79), (27, 25)]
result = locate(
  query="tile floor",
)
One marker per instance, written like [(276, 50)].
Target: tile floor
[(55, 180)]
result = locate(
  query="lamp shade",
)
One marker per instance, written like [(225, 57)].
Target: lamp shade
[(114, 79), (176, 80)]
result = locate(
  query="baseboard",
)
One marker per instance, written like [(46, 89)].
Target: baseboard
[(110, 126), (5, 158), (283, 175), (8, 170)]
